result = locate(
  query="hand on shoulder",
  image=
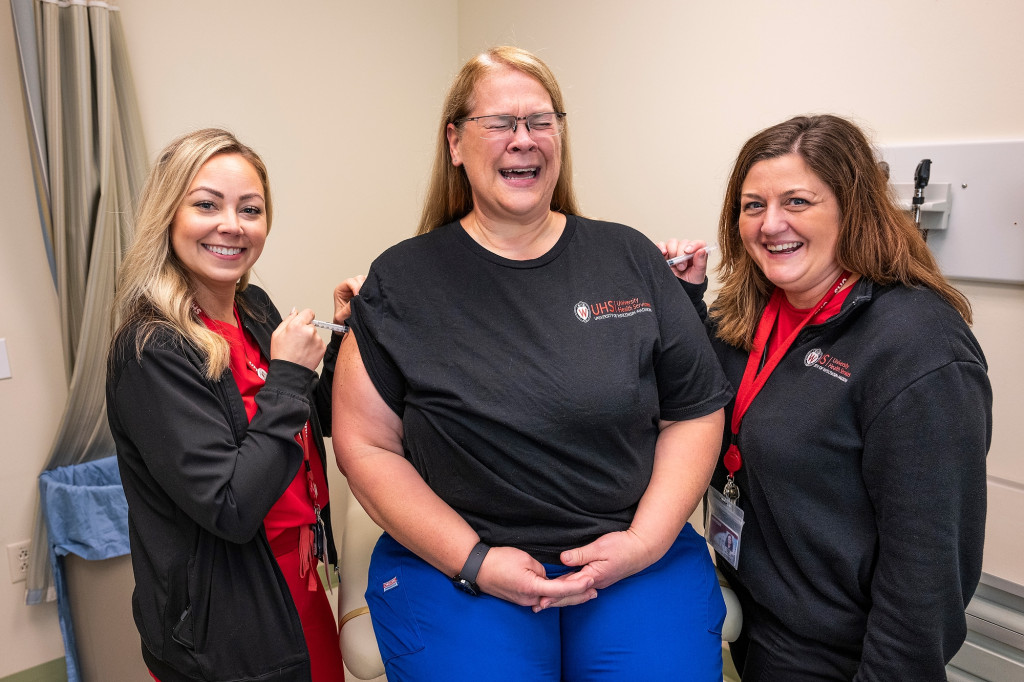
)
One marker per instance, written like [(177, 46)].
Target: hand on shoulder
[(343, 294)]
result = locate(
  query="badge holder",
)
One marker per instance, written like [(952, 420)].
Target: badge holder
[(723, 526)]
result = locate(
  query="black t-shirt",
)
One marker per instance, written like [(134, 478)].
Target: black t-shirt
[(530, 391)]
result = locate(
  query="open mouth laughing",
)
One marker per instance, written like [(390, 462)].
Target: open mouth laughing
[(787, 247), (520, 173)]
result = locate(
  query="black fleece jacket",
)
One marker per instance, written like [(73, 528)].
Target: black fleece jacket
[(210, 601), (863, 480)]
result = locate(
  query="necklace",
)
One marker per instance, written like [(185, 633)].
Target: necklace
[(260, 372)]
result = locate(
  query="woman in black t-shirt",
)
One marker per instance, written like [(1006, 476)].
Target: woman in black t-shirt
[(530, 409)]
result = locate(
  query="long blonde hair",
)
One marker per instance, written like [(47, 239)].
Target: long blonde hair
[(877, 239), (449, 195), (154, 288)]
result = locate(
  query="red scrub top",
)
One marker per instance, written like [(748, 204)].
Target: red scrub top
[(288, 521)]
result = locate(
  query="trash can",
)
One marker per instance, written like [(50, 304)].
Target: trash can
[(86, 517)]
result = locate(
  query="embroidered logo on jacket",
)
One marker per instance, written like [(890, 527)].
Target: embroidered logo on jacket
[(609, 309), (828, 364), (391, 584)]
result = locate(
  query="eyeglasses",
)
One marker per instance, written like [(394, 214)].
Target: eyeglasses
[(499, 126)]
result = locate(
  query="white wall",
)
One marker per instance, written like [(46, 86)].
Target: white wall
[(662, 94), (341, 98)]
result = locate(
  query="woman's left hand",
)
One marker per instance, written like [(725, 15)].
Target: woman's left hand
[(343, 293), (607, 560)]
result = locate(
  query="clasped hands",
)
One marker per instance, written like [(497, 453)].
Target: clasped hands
[(515, 576)]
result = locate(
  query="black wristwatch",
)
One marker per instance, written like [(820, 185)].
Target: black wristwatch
[(465, 580)]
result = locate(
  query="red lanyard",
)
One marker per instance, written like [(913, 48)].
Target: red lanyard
[(753, 380), (311, 538), (302, 436)]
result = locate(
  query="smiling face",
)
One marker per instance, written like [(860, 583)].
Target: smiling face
[(789, 224), (220, 227), (512, 180)]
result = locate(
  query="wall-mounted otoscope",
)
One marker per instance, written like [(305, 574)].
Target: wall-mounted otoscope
[(921, 175)]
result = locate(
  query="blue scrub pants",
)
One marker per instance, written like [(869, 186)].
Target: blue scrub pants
[(663, 623)]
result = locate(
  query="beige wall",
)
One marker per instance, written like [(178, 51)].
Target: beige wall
[(341, 98), (31, 401), (338, 97)]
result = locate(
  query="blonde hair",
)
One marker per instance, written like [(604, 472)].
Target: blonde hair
[(449, 195), (154, 288), (877, 239)]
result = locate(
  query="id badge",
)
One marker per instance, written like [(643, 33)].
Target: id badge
[(723, 525), (319, 544)]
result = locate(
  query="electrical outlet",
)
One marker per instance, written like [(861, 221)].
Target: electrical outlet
[(17, 560)]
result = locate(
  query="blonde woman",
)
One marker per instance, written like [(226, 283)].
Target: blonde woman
[(218, 416)]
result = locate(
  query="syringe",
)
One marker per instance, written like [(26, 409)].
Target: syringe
[(339, 328), (687, 256)]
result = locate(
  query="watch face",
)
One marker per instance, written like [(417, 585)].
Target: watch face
[(466, 586)]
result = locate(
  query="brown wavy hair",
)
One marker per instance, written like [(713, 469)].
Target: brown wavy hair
[(877, 239), (449, 195)]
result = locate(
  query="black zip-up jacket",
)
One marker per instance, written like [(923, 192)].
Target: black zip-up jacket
[(863, 480), (210, 601)]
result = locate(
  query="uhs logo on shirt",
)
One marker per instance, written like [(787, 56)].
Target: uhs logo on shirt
[(583, 311)]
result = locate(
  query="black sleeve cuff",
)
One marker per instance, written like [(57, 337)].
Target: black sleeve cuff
[(695, 292)]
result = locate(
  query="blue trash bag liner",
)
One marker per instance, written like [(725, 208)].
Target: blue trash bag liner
[(86, 514)]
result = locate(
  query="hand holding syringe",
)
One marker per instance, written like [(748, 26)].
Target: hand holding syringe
[(687, 256)]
